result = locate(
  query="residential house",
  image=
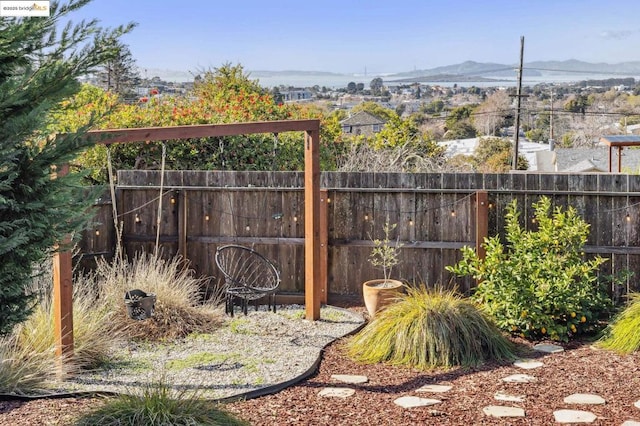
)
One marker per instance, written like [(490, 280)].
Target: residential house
[(362, 123)]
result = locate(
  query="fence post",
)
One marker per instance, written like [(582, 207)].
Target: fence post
[(482, 221), (324, 245), (182, 223)]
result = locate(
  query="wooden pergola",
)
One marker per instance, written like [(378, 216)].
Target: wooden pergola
[(619, 141), (62, 264)]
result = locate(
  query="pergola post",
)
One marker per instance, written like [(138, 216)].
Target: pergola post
[(312, 288), (63, 296)]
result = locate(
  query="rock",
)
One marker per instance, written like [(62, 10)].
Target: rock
[(637, 404), (500, 396), (337, 392), (528, 364), (630, 423), (349, 378), (574, 416), (434, 388), (547, 348), (502, 411), (584, 398), (519, 378), (414, 401)]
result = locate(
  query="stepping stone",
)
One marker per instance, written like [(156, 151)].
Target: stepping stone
[(528, 364), (502, 411), (630, 423), (337, 392), (434, 388), (500, 396), (414, 401), (584, 398), (349, 378), (637, 404), (549, 349), (519, 378), (574, 416)]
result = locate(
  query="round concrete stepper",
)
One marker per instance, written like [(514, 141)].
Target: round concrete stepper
[(574, 416), (547, 348), (630, 423), (501, 396), (414, 401), (434, 388), (584, 398), (519, 378), (637, 404), (503, 411), (528, 364), (337, 392), (350, 378)]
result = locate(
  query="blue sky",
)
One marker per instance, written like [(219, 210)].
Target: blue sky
[(384, 36)]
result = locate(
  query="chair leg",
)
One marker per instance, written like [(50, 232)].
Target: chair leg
[(273, 300), (245, 306)]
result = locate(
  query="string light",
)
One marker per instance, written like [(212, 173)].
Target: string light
[(248, 228), (137, 219), (453, 213), (173, 200), (295, 218), (533, 220), (97, 232), (366, 217), (490, 205), (628, 217), (328, 200), (410, 222), (206, 217)]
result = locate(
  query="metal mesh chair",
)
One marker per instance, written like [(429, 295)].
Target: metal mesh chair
[(248, 275)]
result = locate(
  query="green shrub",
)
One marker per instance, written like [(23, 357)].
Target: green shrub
[(623, 333), (538, 284), (430, 328), (157, 404)]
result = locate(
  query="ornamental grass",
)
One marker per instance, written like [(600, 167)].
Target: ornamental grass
[(157, 404), (622, 335), (429, 328)]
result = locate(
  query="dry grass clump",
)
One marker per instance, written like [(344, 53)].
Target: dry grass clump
[(179, 309), (25, 371), (430, 328)]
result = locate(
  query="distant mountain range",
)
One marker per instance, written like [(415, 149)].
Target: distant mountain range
[(465, 71), (531, 69)]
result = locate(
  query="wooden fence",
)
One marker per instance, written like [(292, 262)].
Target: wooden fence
[(435, 215)]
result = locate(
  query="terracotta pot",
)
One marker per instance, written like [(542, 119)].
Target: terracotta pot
[(380, 293)]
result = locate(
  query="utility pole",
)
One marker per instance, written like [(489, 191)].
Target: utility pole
[(514, 164), (551, 140)]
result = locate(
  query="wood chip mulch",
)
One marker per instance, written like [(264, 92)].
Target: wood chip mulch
[(580, 369)]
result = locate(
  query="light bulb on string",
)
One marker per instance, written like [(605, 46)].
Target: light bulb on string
[(97, 232), (137, 219), (410, 222), (366, 217), (247, 228), (173, 200), (628, 217), (453, 213), (295, 218), (206, 217)]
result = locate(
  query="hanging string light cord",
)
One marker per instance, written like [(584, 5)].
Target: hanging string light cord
[(159, 215)]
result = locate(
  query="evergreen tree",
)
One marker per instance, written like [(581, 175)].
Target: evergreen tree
[(120, 74), (40, 61)]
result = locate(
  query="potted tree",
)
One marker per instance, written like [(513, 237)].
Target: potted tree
[(380, 292)]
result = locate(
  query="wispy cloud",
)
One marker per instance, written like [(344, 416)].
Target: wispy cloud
[(618, 34)]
